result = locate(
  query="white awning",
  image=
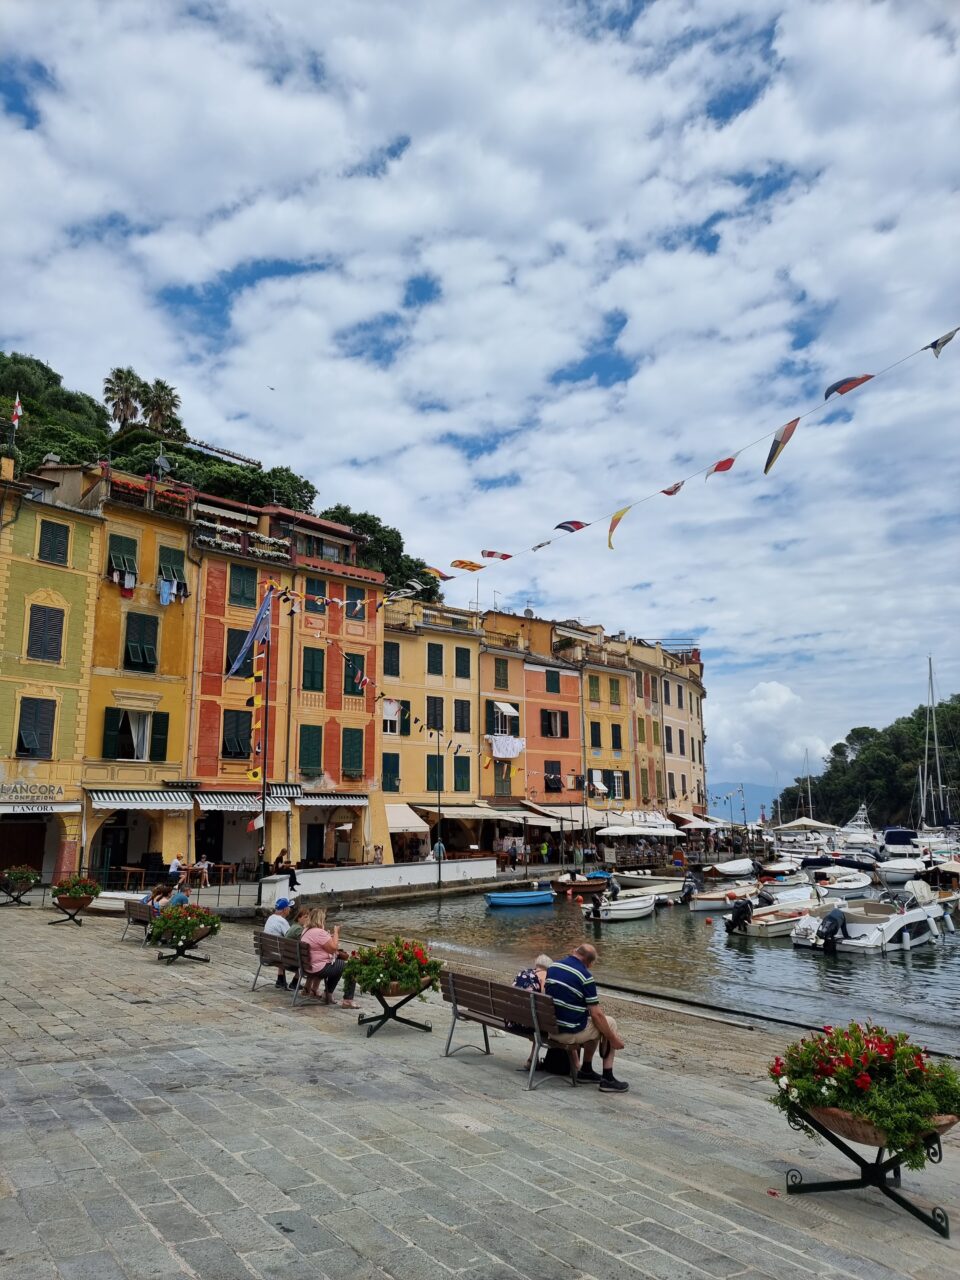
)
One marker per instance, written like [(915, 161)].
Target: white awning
[(506, 709), (141, 799), (239, 802), (519, 816), (462, 812), (400, 817), (694, 824), (574, 816), (331, 800)]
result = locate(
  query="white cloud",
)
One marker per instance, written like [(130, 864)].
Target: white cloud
[(550, 166)]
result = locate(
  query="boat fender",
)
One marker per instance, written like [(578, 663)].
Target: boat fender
[(579, 899), (709, 920), (948, 923), (905, 940)]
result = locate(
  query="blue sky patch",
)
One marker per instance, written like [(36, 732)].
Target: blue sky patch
[(603, 362), (377, 340), (421, 290), (20, 81)]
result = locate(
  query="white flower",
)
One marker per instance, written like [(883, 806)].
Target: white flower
[(782, 1082), (829, 1083), (793, 1095)]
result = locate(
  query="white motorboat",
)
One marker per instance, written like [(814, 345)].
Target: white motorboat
[(897, 871), (627, 906), (724, 896), (782, 866), (778, 884), (734, 870), (662, 886), (939, 904), (841, 882), (858, 833), (778, 921), (872, 926), (770, 893)]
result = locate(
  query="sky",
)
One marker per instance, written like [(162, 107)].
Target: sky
[(483, 268)]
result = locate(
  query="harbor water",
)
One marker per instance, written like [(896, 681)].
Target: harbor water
[(677, 950)]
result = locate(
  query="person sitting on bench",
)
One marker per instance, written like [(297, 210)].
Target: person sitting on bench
[(580, 1019), (325, 961), (530, 980)]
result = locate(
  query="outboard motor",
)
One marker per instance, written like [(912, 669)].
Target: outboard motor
[(766, 898), (691, 885), (835, 922), (613, 888), (740, 916)]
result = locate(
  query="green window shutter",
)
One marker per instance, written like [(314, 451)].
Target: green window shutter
[(607, 775), (140, 642), (616, 737), (404, 718), (351, 755), (315, 587), (461, 773), (390, 772), (513, 726), (683, 744), (54, 542), (311, 748), (546, 724), (434, 713), (462, 663), (626, 784), (553, 682), (595, 733), (641, 730), (122, 554), (35, 729), (491, 714), (235, 639), (615, 693), (501, 674), (461, 715), (352, 668), (313, 669), (45, 633), (237, 728), (111, 728), (243, 586), (435, 773), (356, 605), (656, 733), (564, 724), (391, 658), (435, 659), (159, 728), (593, 687), (170, 565)]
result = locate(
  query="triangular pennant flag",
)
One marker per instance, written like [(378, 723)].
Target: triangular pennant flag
[(615, 520), (417, 586), (497, 555), (780, 441), (488, 762), (471, 566), (541, 545), (674, 488), (255, 823), (723, 465), (255, 700), (571, 526), (936, 347), (845, 385), (438, 573)]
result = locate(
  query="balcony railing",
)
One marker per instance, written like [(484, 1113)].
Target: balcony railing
[(399, 619), (501, 640), (213, 537)]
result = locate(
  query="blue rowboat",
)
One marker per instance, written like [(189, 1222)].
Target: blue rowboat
[(532, 898)]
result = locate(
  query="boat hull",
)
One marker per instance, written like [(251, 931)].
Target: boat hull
[(536, 898), (621, 910), (718, 899), (873, 926)]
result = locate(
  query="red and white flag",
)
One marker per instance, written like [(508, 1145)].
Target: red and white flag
[(17, 411), (674, 488), (497, 555), (360, 680), (723, 465), (255, 823)]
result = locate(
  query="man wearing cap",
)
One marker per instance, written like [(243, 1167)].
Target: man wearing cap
[(580, 1019), (277, 925)]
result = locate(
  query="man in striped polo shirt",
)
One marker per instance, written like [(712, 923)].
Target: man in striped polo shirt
[(580, 1018)]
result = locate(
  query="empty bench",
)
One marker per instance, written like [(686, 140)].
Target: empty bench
[(140, 913), (497, 1005)]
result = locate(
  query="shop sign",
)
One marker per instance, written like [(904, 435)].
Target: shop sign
[(31, 792)]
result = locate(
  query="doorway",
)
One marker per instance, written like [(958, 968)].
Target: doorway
[(208, 836), (112, 852)]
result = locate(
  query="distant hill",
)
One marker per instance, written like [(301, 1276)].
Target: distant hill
[(754, 793)]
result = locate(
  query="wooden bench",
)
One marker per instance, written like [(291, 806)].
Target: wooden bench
[(281, 953), (497, 1005), (141, 913)]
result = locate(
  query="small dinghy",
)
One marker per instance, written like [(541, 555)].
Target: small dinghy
[(840, 883), (734, 870), (872, 926), (628, 906), (778, 920), (897, 871), (522, 898), (593, 883), (725, 896)]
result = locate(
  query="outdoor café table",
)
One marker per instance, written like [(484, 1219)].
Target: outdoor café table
[(139, 872), (224, 871)]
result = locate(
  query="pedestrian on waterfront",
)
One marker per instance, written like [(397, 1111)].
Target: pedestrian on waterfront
[(181, 896), (203, 865), (326, 963), (514, 855), (580, 1019), (544, 852), (531, 979), (439, 850), (278, 926)]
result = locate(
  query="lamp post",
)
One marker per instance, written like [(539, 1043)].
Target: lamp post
[(438, 847)]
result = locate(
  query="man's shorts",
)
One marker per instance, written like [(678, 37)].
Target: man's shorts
[(585, 1036)]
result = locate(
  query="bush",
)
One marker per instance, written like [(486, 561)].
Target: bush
[(179, 924), (76, 887), (403, 961), (876, 1076), (21, 875)]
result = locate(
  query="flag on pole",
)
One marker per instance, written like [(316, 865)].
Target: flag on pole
[(255, 823), (723, 465), (257, 633), (18, 408), (674, 488), (780, 441), (617, 517), (936, 346), (845, 385)]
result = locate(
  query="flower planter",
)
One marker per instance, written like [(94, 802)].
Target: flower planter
[(394, 989), (855, 1129), (73, 904)]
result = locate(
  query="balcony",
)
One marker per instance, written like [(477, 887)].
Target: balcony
[(399, 620), (501, 640), (210, 536)]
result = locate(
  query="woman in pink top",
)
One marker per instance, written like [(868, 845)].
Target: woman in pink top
[(324, 961)]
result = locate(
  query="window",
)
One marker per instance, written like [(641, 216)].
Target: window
[(391, 658), (654, 689), (235, 638), (671, 785), (641, 730), (315, 587), (45, 633), (616, 778), (616, 737), (434, 713), (553, 681), (554, 724), (625, 785), (683, 784), (170, 565), (501, 673), (243, 586), (54, 542), (35, 730), (679, 694), (462, 663), (390, 771), (461, 715), (666, 693), (353, 673), (461, 773), (237, 726), (434, 659), (356, 606), (593, 688), (656, 733), (122, 554), (552, 775), (683, 742), (396, 717), (668, 737), (614, 692), (313, 665), (311, 750), (140, 642), (351, 753), (134, 735), (660, 784), (501, 778), (595, 733), (435, 773), (501, 723)]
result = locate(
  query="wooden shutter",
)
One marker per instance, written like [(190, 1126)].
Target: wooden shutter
[(391, 658), (311, 747), (235, 639), (546, 724), (404, 718), (434, 713), (461, 773), (351, 757), (435, 773), (461, 715), (54, 542), (159, 728), (315, 587), (656, 733), (45, 633), (243, 586), (462, 664), (435, 659), (616, 737), (46, 710), (564, 724), (390, 773), (111, 728), (350, 673), (607, 775), (553, 681), (491, 716), (171, 564), (594, 733), (313, 669), (626, 784)]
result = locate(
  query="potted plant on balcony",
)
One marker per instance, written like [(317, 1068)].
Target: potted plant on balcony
[(183, 928), (76, 892), (401, 967)]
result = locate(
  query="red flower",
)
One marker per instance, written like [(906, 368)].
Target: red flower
[(777, 1069), (863, 1081), (828, 1030), (846, 1060), (865, 1059)]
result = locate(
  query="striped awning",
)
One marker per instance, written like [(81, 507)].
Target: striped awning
[(331, 800), (289, 790), (240, 802), (141, 799)]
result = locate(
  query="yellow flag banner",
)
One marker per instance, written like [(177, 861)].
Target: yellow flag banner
[(617, 517), (255, 775)]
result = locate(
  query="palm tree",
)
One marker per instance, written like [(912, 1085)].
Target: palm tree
[(122, 393), (161, 404)]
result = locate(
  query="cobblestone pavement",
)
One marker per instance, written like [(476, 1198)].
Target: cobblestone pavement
[(159, 1122)]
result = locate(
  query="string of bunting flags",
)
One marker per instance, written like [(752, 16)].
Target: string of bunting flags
[(779, 439)]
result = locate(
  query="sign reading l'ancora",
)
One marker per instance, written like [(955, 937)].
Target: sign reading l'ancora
[(38, 791)]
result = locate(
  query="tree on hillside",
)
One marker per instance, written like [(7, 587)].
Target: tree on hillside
[(123, 391), (383, 550), (160, 404)]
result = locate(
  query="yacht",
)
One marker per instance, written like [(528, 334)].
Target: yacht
[(872, 926)]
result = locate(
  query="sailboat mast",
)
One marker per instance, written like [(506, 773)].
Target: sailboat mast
[(806, 760), (926, 744), (936, 745)]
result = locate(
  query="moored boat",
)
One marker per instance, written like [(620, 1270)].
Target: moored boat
[(843, 883), (897, 871), (872, 926), (632, 906), (778, 920), (521, 898), (724, 896)]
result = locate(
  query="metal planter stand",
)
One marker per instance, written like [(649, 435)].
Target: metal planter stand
[(884, 1174), (391, 1013)]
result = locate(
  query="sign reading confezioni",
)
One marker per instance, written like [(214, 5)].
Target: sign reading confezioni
[(35, 798)]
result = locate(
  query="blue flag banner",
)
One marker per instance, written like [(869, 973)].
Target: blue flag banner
[(257, 633)]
